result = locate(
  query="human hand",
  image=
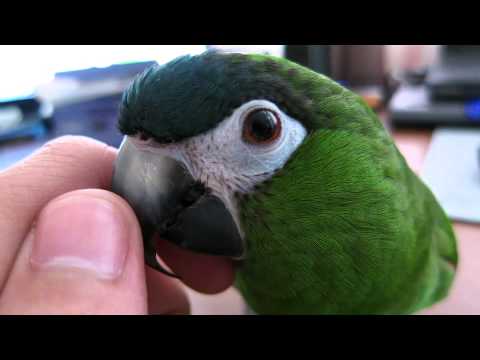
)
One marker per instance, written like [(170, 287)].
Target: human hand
[(69, 246)]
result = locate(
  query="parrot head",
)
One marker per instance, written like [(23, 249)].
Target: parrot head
[(280, 168), (202, 134)]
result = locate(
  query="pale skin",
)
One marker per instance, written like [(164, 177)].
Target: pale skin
[(70, 246)]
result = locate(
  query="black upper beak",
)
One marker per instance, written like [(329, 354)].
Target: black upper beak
[(168, 201)]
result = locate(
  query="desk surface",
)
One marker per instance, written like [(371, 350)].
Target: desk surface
[(464, 297)]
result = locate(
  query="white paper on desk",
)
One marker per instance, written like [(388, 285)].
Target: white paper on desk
[(452, 171)]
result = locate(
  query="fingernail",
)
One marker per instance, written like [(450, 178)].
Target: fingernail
[(82, 232)]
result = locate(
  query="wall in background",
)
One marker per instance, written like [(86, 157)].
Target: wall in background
[(399, 58), (358, 65), (24, 67), (369, 64)]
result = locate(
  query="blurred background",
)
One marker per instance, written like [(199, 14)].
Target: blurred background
[(48, 91), (427, 96)]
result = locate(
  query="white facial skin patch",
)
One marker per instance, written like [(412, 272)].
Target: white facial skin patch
[(224, 162)]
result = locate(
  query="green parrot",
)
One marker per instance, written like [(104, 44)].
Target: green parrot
[(291, 175)]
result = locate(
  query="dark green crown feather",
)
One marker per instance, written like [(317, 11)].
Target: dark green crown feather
[(192, 94)]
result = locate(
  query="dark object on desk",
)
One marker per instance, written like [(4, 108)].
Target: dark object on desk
[(416, 77), (456, 76), (96, 118), (446, 94), (412, 107), (24, 118)]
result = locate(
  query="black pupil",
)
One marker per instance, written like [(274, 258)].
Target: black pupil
[(262, 125)]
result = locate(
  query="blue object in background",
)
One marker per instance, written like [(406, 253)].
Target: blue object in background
[(27, 117), (472, 110), (36, 130)]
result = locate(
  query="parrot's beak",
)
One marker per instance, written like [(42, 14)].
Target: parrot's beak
[(168, 201)]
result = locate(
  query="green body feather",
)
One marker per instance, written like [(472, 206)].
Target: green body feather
[(345, 227)]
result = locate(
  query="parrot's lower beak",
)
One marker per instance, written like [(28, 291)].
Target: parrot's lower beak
[(168, 201)]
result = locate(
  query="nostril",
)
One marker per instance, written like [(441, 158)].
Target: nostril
[(144, 137)]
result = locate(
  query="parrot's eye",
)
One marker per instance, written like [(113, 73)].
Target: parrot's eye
[(261, 126)]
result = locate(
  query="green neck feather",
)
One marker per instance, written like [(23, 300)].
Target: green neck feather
[(341, 228)]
